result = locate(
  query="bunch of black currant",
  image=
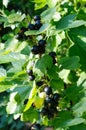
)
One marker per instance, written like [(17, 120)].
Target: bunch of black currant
[(40, 48), (21, 35), (31, 75), (36, 25), (50, 103)]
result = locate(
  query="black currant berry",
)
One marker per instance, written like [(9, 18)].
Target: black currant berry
[(54, 61), (39, 83), (30, 72), (36, 17), (31, 26), (56, 97), (53, 110), (41, 49), (44, 111), (52, 54), (48, 102), (35, 49), (48, 90), (31, 77), (25, 101), (50, 116), (36, 126), (42, 43), (38, 24)]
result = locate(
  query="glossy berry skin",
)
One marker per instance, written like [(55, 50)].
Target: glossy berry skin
[(36, 127), (48, 102), (48, 90), (52, 54), (56, 97), (38, 24), (35, 49), (29, 72), (31, 26), (36, 17), (42, 43), (31, 78), (25, 101)]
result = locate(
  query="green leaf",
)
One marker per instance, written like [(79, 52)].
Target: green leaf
[(11, 106), (52, 72), (31, 97), (78, 127), (11, 57), (47, 15), (78, 36), (3, 19), (68, 22), (30, 115), (17, 97), (44, 63), (39, 4), (64, 120), (4, 87), (5, 2), (11, 44), (74, 93), (73, 122), (15, 17), (36, 32), (52, 3), (57, 84), (69, 63), (2, 74), (63, 74), (82, 80), (80, 107)]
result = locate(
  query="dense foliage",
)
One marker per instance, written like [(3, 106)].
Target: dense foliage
[(42, 64)]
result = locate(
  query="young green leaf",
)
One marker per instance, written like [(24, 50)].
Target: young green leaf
[(69, 63), (44, 63)]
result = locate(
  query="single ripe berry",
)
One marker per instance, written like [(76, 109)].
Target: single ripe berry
[(41, 49), (31, 77), (19, 36), (31, 26), (36, 17), (54, 61), (25, 101), (36, 126), (30, 72), (39, 83), (42, 43), (35, 49), (52, 54), (56, 97), (44, 111), (48, 102), (50, 115), (38, 24), (48, 90)]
